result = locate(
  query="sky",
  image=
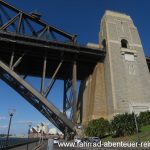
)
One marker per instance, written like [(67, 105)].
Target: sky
[(80, 17)]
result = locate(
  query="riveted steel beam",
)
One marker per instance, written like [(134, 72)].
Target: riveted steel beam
[(35, 20), (43, 75), (52, 79), (34, 97), (74, 80)]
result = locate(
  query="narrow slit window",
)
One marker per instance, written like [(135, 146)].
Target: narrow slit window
[(104, 43)]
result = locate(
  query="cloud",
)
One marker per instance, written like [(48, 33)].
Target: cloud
[(3, 118), (47, 123), (68, 112), (3, 127), (26, 122)]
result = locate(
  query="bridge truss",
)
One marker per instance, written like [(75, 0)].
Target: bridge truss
[(31, 47)]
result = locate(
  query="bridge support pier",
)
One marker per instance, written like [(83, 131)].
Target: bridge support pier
[(74, 80), (43, 75)]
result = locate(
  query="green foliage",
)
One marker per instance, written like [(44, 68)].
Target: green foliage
[(98, 127), (144, 118), (124, 124)]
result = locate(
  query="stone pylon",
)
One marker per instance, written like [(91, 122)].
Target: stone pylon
[(122, 82)]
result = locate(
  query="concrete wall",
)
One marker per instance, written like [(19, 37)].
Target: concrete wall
[(126, 73), (120, 84), (94, 98)]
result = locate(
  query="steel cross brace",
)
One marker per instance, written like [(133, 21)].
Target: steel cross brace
[(70, 95), (23, 17), (36, 99)]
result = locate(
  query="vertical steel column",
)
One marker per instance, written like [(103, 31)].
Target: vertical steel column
[(64, 106), (43, 75), (74, 79), (11, 60), (19, 24), (65, 98), (11, 115)]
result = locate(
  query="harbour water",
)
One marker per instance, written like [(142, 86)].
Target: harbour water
[(15, 141)]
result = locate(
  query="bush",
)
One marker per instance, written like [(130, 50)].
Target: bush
[(144, 118), (124, 124), (98, 127)]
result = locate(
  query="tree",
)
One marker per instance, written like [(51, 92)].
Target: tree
[(144, 118), (98, 127), (124, 124)]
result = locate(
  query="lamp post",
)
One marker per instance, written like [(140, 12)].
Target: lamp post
[(11, 113), (30, 124), (137, 128), (37, 131), (135, 121), (42, 131)]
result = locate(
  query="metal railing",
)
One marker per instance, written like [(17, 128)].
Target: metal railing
[(41, 146)]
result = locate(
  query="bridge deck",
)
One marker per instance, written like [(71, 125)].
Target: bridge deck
[(35, 49)]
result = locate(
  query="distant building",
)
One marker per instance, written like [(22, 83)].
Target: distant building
[(43, 130), (40, 128), (53, 131)]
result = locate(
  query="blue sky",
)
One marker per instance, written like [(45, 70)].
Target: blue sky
[(81, 17)]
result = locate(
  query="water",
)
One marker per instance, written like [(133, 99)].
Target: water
[(15, 141)]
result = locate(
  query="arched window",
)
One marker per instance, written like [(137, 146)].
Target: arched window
[(124, 43), (104, 43)]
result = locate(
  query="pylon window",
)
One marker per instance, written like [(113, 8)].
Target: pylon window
[(104, 43), (124, 43)]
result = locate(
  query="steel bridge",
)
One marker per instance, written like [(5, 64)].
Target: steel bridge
[(31, 47)]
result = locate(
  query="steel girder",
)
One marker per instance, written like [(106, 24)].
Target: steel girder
[(23, 23), (20, 38), (36, 99)]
